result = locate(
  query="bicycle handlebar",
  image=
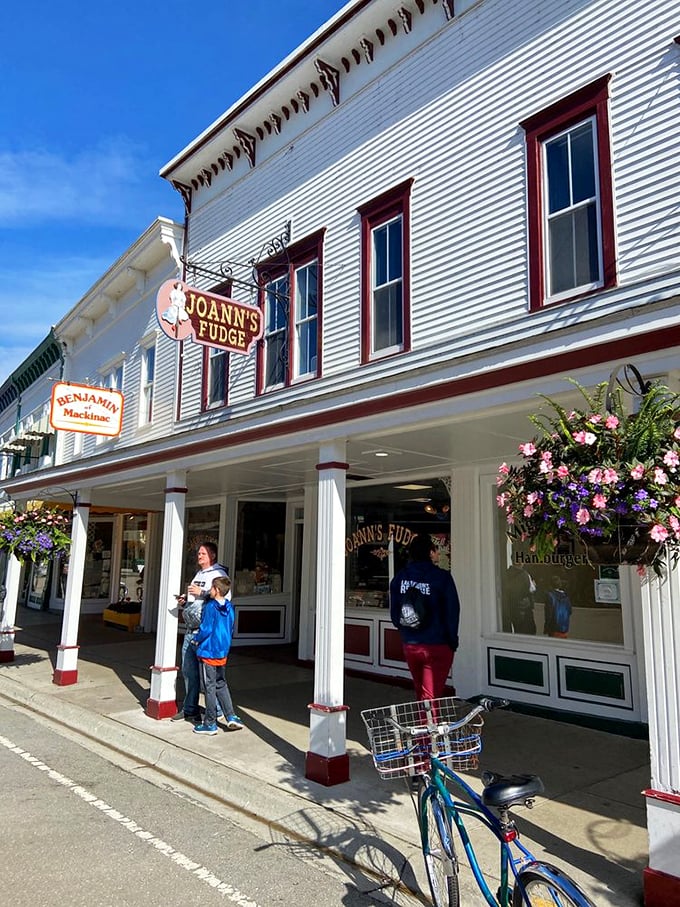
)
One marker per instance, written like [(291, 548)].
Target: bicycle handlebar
[(486, 704)]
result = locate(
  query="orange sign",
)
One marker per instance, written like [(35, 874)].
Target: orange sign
[(184, 312), (80, 407)]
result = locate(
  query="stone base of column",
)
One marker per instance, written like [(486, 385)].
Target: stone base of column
[(660, 889), (66, 671), (6, 645), (65, 678), (327, 770), (162, 701), (159, 710), (661, 880)]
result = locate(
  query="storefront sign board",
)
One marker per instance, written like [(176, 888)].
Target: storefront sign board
[(83, 408), (185, 313)]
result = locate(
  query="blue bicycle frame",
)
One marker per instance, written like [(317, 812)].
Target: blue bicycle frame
[(456, 809)]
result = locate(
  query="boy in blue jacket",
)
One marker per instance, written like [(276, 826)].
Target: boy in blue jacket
[(213, 641)]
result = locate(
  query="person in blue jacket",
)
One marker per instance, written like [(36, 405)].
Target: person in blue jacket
[(213, 641), (428, 648)]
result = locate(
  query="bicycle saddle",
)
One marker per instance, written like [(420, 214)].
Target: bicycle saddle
[(502, 792)]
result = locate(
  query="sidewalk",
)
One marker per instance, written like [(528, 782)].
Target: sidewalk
[(593, 780)]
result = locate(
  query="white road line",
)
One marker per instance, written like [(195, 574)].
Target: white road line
[(200, 872)]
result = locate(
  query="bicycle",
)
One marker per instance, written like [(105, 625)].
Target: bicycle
[(429, 740)]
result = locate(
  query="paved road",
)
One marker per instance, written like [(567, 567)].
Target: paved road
[(79, 830)]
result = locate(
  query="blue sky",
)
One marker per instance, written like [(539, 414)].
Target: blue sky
[(94, 100)]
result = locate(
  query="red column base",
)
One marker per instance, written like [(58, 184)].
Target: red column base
[(6, 655), (64, 678), (327, 770), (159, 710), (661, 889)]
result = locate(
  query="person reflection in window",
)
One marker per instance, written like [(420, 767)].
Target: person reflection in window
[(518, 601)]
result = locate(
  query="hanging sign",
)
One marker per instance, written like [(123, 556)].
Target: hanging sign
[(80, 407), (184, 313)]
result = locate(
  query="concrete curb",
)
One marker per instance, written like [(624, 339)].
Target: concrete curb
[(287, 814)]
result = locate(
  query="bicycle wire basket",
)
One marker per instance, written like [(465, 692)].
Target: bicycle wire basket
[(403, 737)]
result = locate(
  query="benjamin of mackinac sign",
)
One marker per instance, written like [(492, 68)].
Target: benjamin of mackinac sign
[(184, 312), (80, 407)]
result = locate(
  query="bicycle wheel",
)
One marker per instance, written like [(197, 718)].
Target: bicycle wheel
[(438, 848), (547, 886)]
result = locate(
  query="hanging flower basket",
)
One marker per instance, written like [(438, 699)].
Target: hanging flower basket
[(600, 477), (36, 534)]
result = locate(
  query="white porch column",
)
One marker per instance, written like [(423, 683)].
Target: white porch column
[(10, 609), (327, 759), (162, 701), (308, 578), (661, 617), (66, 671)]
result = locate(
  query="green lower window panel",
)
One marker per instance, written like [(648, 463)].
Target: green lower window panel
[(594, 682), (519, 670)]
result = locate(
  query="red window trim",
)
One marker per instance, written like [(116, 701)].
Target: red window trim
[(591, 100), (391, 203), (295, 256)]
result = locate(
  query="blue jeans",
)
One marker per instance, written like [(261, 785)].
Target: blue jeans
[(216, 692), (192, 677)]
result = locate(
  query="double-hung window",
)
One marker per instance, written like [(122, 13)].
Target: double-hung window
[(215, 386), (570, 197), (385, 268), (215, 377), (291, 303), (148, 374)]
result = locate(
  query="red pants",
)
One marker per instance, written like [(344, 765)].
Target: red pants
[(429, 666)]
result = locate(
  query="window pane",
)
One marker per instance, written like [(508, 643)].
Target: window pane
[(387, 317), (150, 360), (218, 377), (561, 243), (583, 163), (380, 256), (275, 368), (307, 347), (260, 546), (586, 245), (557, 167), (394, 250)]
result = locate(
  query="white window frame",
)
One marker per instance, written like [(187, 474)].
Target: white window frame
[(571, 208)]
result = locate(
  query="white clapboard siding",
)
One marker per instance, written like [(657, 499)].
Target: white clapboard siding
[(443, 106)]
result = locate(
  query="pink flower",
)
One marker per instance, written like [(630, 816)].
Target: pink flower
[(676, 433), (671, 458), (612, 422), (563, 471), (546, 456), (528, 449), (528, 510), (660, 476), (677, 501), (675, 526), (599, 501), (582, 516), (533, 497), (637, 472), (595, 476), (501, 499), (544, 467), (594, 419), (504, 469), (610, 477), (584, 437), (659, 533)]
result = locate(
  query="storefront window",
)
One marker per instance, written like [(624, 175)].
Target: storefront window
[(260, 545), (382, 521), (561, 596), (97, 572), (132, 558), (202, 525)]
